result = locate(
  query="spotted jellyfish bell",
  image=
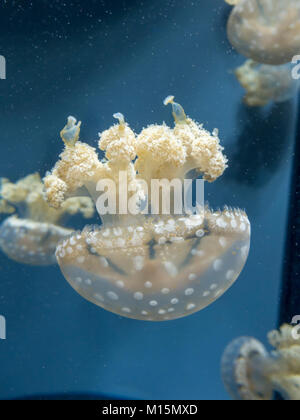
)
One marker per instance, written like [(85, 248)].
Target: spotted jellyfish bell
[(158, 270), (267, 31), (150, 267), (30, 242)]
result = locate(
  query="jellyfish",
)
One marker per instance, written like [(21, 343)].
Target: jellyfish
[(265, 83), (31, 236), (151, 266), (267, 31), (251, 373)]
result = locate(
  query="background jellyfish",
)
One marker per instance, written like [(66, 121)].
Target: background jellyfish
[(251, 373), (156, 267), (267, 31), (265, 83), (31, 236)]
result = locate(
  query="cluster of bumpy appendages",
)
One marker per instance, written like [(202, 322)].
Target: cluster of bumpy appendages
[(161, 152)]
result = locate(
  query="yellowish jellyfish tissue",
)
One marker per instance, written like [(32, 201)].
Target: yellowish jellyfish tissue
[(251, 373), (265, 83), (267, 31), (152, 266), (31, 236)]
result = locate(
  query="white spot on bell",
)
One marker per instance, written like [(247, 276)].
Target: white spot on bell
[(112, 295), (138, 296)]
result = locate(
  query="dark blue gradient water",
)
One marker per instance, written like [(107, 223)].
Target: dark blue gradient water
[(91, 59)]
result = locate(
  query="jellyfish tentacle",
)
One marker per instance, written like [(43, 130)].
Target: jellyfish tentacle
[(178, 111), (70, 133), (120, 117)]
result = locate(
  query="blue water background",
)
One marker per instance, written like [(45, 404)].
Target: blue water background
[(93, 59)]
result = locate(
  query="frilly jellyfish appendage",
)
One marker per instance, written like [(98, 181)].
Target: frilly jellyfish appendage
[(249, 372), (33, 235), (70, 133), (267, 31), (265, 83), (152, 266)]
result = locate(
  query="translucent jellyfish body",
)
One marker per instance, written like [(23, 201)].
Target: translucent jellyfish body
[(267, 31), (251, 373), (145, 266), (30, 242), (160, 269), (265, 83), (32, 237)]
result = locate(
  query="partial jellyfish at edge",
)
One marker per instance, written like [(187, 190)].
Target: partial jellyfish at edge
[(31, 235), (250, 372), (149, 267), (265, 83), (267, 31)]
